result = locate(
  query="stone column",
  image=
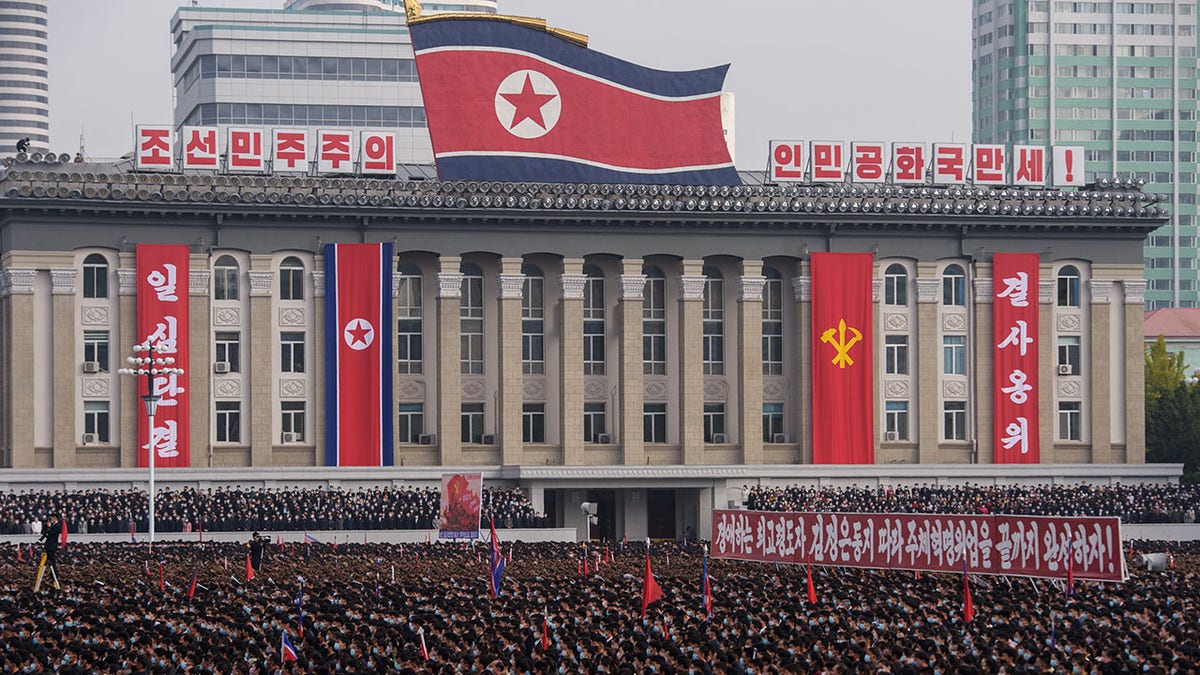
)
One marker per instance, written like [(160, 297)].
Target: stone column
[(629, 427), (1135, 372), (750, 377), (691, 362), (449, 353), (131, 405), (1047, 415), (263, 359), (19, 364), (320, 390), (510, 282), (880, 424), (65, 366), (570, 352), (983, 408), (199, 365), (802, 394), (1100, 364), (928, 367)]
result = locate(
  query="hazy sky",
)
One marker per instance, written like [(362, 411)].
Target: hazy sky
[(801, 69)]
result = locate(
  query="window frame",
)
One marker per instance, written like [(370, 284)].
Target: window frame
[(291, 279), (95, 277), (291, 352)]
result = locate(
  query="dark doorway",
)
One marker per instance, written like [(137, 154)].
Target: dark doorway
[(553, 516), (660, 514), (605, 527)]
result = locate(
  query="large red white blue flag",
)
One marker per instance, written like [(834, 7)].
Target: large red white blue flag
[(508, 102), (358, 354)]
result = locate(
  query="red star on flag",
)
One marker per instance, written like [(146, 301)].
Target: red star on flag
[(359, 333), (528, 104)]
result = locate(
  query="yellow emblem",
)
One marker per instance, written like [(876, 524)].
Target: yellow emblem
[(840, 343)]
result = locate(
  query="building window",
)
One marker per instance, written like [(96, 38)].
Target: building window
[(225, 278), (714, 423), (654, 423), (954, 286), (593, 422), (410, 422), (895, 286), (654, 322), (954, 420), (1068, 286), (292, 421), (895, 354), (471, 319), (95, 348), (408, 319), (533, 321), (772, 323), (896, 422), (713, 321), (291, 279), (593, 321), (954, 354), (227, 349), (95, 420), (1068, 355), (1070, 422), (533, 423), (291, 352), (772, 419), (472, 423), (95, 276), (229, 421)]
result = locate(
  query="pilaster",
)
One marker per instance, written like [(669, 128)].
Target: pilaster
[(199, 366), (1135, 372), (750, 378), (318, 358), (1100, 346), (983, 410), (1047, 414), (65, 366), (127, 386), (263, 359), (19, 364), (691, 362), (510, 283), (927, 368), (571, 384), (629, 427), (449, 354), (802, 376)]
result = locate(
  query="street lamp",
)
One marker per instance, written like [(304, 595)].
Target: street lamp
[(151, 361)]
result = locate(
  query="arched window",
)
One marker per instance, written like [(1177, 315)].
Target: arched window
[(533, 320), (471, 319), (1068, 286), (954, 286), (225, 278), (291, 279), (95, 276), (772, 323), (408, 318), (895, 285), (593, 321), (654, 322), (713, 319)]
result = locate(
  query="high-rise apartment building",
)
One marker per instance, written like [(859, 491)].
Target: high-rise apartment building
[(24, 85), (313, 64), (1117, 78)]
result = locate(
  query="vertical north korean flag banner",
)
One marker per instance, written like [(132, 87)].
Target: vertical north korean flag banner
[(1015, 358), (843, 417), (358, 354), (162, 317), (509, 102)]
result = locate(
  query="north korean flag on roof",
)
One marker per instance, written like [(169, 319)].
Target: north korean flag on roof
[(511, 102)]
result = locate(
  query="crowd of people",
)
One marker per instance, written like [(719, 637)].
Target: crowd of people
[(124, 608), (247, 509), (1132, 503)]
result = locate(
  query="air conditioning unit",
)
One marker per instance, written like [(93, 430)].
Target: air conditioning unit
[(604, 439), (289, 436), (91, 439), (891, 436), (779, 438), (427, 439), (489, 439), (91, 366), (719, 438), (1064, 369), (221, 367)]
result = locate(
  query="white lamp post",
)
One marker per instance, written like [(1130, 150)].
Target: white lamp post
[(151, 362)]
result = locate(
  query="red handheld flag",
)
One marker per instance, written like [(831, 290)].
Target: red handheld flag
[(249, 568), (545, 633), (192, 587), (162, 581), (62, 541), (812, 591), (968, 605), (424, 651), (650, 589), (20, 557)]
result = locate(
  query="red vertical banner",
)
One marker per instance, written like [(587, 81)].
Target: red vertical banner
[(1015, 357), (162, 320), (843, 414)]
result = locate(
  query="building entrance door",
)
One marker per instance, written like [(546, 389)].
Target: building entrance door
[(606, 510), (660, 516)]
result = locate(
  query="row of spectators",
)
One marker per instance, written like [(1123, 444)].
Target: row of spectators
[(247, 509), (1134, 503)]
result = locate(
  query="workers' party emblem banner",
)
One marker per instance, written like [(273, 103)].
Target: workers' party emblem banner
[(358, 354), (1015, 357), (843, 421), (514, 103), (162, 318), (462, 503)]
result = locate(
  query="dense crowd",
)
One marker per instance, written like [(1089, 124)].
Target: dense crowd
[(247, 509), (364, 609), (1136, 503)]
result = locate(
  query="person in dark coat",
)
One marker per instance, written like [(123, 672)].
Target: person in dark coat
[(50, 536)]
